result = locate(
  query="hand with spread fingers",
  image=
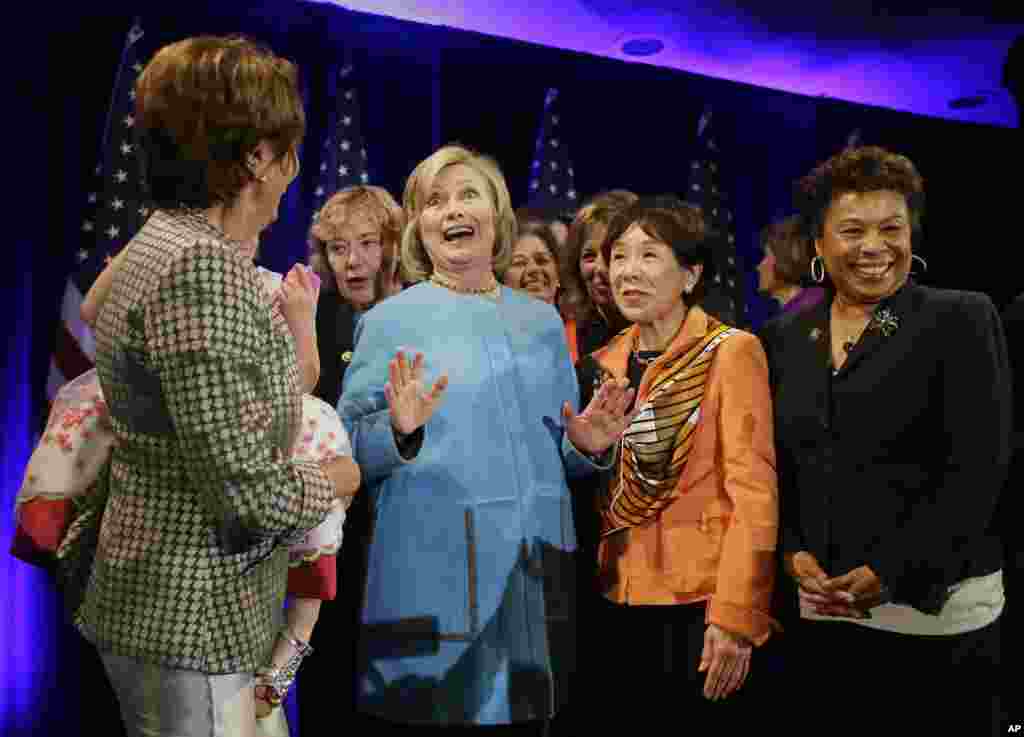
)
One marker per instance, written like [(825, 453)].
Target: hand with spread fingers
[(604, 420), (726, 660), (411, 406)]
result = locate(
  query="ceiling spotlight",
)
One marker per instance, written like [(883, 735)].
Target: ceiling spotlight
[(643, 47), (968, 103)]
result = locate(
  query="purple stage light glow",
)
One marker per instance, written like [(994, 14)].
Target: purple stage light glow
[(918, 62)]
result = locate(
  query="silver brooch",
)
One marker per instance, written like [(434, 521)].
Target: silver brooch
[(885, 321)]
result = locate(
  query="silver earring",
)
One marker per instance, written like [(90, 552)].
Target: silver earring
[(818, 269), (924, 264)]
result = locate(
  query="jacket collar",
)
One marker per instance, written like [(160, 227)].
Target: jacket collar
[(614, 358)]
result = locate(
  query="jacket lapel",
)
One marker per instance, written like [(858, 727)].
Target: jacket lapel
[(888, 316)]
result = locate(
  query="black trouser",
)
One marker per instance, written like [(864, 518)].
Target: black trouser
[(642, 676), (878, 682)]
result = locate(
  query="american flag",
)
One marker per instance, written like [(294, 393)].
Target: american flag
[(344, 160), (114, 213), (725, 289), (552, 185)]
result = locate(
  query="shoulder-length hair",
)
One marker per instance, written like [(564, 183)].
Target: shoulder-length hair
[(416, 263), (378, 204), (597, 212)]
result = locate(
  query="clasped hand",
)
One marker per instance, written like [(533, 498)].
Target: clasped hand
[(852, 594)]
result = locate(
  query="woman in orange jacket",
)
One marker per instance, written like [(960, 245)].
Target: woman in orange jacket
[(689, 514)]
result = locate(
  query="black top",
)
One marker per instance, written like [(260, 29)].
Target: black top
[(897, 460), (1013, 321), (335, 329), (592, 334)]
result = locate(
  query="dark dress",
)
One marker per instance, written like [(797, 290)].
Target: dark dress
[(896, 462), (327, 678)]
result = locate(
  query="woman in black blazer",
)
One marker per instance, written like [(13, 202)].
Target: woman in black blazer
[(354, 248), (892, 411)]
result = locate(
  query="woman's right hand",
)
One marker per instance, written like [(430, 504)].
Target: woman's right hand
[(815, 595), (344, 474), (410, 405)]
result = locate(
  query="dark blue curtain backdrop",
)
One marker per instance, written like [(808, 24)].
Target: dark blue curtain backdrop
[(627, 125)]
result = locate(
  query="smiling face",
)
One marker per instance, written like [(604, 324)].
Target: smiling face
[(593, 268), (866, 244), (457, 224), (647, 279), (533, 269), (355, 256)]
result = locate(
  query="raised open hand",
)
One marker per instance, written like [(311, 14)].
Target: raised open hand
[(410, 406), (604, 420)]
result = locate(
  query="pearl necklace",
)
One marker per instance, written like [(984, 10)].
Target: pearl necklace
[(490, 290)]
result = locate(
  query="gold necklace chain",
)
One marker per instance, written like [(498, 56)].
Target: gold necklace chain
[(492, 288)]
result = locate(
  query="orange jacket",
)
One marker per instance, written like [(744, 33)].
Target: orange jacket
[(716, 542), (570, 338)]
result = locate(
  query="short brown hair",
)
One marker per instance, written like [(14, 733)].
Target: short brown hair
[(201, 106), (380, 206), (677, 224), (416, 264), (858, 169), (788, 242), (597, 212)]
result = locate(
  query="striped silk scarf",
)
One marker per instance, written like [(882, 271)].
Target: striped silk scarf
[(656, 445)]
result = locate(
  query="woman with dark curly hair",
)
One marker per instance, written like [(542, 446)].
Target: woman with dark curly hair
[(892, 407), (591, 316)]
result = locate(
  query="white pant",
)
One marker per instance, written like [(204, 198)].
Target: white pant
[(168, 702)]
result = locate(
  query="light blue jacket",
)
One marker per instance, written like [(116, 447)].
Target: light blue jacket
[(469, 608)]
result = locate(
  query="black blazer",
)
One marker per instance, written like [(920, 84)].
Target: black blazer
[(897, 461), (335, 329)]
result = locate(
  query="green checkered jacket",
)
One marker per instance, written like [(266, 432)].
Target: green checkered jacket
[(202, 385)]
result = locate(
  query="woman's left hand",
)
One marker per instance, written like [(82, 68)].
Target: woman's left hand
[(297, 298), (726, 659), (604, 420)]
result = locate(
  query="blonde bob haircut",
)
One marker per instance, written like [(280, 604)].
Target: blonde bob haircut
[(416, 263)]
